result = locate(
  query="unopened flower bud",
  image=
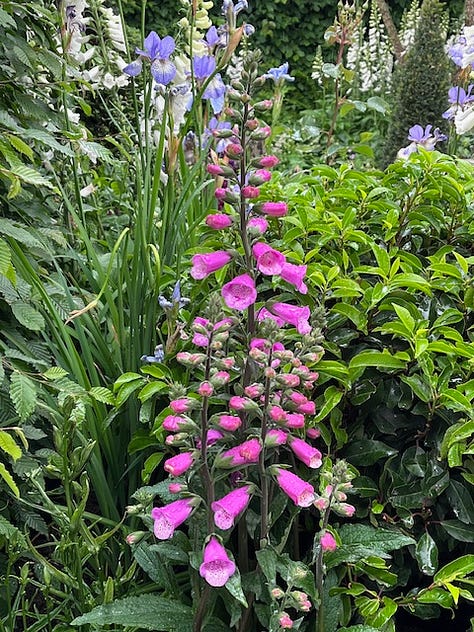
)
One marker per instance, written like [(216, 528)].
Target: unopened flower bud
[(250, 192), (223, 133), (254, 390), (205, 389), (261, 134), (263, 106), (135, 537), (251, 124), (234, 150), (277, 593)]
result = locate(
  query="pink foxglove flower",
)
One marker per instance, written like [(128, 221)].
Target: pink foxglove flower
[(313, 433), (269, 260), (244, 454), (295, 274), (285, 621), (258, 225), (229, 422), (328, 542), (242, 403), (263, 313), (268, 161), (277, 414), (294, 315), (294, 420), (179, 464), (290, 380), (181, 405), (205, 389), (217, 567), (309, 408), (300, 492), (230, 506), (254, 390), (240, 293), (274, 209), (219, 221), (174, 423), (169, 517), (275, 437), (250, 192), (213, 435), (306, 453), (204, 265)]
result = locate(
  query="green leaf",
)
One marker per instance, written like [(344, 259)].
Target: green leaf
[(9, 445), (385, 613), (5, 257), (435, 595), (426, 554), (353, 314), (102, 394), (457, 569), (267, 560), (234, 586), (458, 530), (150, 562), (379, 359), (461, 501), (55, 373), (28, 316), (30, 176), (153, 388), (359, 628), (419, 386), (332, 397), (22, 394), (8, 478), (150, 612), (367, 451)]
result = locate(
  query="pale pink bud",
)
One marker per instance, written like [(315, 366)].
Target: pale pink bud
[(277, 414), (295, 420), (251, 124), (300, 492), (205, 389), (219, 221), (220, 193), (328, 542), (181, 405), (257, 225), (215, 170), (313, 433), (254, 390), (290, 380), (179, 464), (217, 567), (274, 209), (191, 359), (220, 378), (285, 621), (268, 161), (174, 423), (269, 372), (226, 363), (250, 192), (275, 437), (212, 436), (302, 601), (343, 509), (237, 402), (263, 174), (175, 488), (309, 408), (277, 593), (229, 422), (298, 398), (321, 503)]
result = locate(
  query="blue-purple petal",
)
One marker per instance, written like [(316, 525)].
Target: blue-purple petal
[(166, 47), (203, 66), (134, 68), (163, 71), (152, 44)]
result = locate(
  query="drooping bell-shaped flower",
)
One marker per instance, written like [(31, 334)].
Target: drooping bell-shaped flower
[(217, 567), (168, 518), (240, 293), (206, 264), (300, 492), (230, 506)]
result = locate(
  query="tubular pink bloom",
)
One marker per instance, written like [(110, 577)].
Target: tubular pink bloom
[(277, 414), (200, 340), (294, 315), (217, 567), (212, 436), (229, 422), (258, 224), (205, 389), (223, 325), (290, 380), (300, 492), (250, 192), (179, 464), (306, 453), (260, 343), (227, 363), (181, 405), (169, 517), (243, 454), (269, 260), (313, 433), (215, 170), (204, 265), (263, 313), (295, 274), (327, 541), (219, 221), (275, 437), (254, 390), (230, 506), (274, 209), (263, 174), (239, 293), (309, 408), (295, 420), (268, 161), (285, 621), (174, 423)]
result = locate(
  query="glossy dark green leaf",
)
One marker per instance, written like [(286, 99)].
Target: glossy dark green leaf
[(426, 554), (367, 451), (461, 501), (458, 530)]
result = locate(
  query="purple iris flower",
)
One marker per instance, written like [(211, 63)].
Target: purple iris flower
[(158, 51), (228, 5), (279, 75), (204, 66), (418, 134), (213, 38)]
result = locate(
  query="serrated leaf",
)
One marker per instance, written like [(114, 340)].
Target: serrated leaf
[(48, 140), (150, 612), (8, 478), (55, 373), (28, 316), (102, 394), (22, 394), (20, 145), (30, 176), (9, 445), (5, 257), (6, 19)]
